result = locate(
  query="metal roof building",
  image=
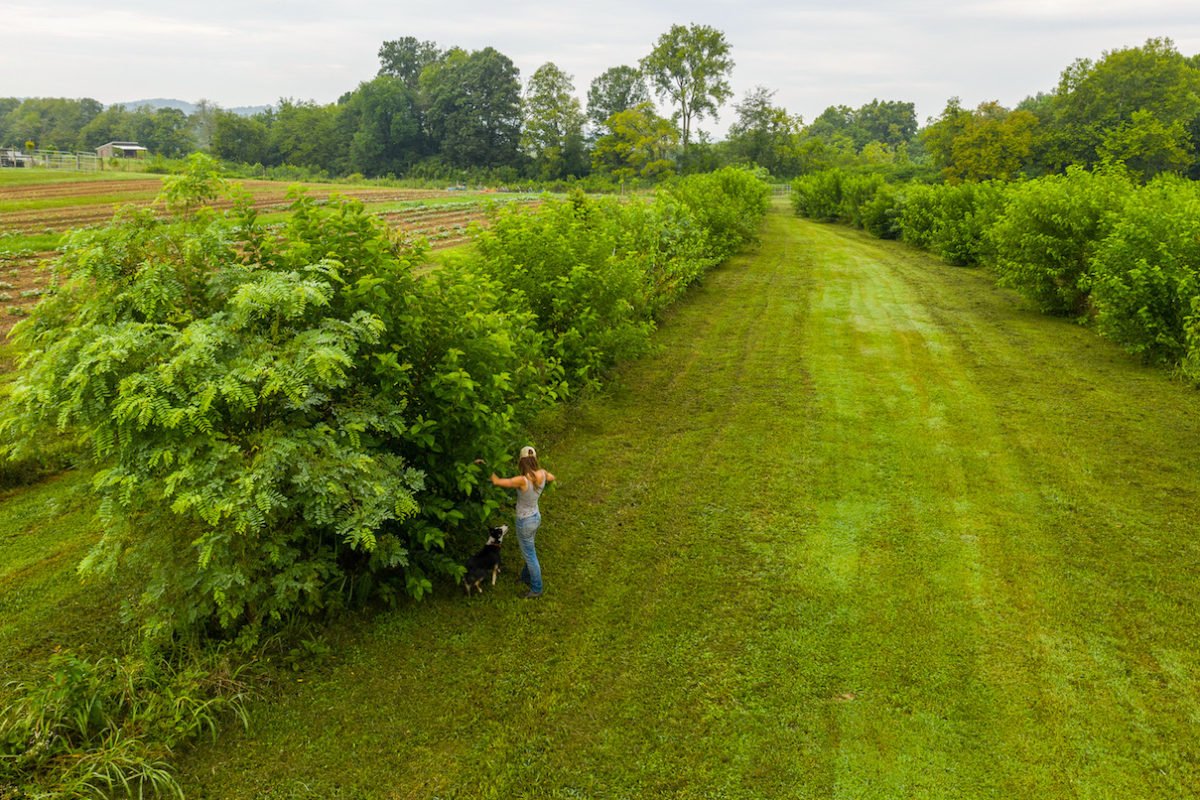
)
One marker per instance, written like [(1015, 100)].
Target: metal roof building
[(122, 150)]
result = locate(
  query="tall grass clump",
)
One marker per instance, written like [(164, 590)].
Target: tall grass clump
[(107, 727)]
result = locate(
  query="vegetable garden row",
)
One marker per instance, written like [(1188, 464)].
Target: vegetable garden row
[(35, 216)]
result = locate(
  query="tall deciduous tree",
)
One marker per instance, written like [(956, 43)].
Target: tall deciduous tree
[(1095, 99), (614, 90), (163, 131), (891, 122), (989, 142), (553, 133), (307, 134), (888, 121), (242, 139), (690, 66), (51, 122), (386, 133), (765, 134), (474, 108), (405, 58), (203, 120), (1147, 146), (640, 144)]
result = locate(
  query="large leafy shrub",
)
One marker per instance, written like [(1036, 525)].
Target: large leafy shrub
[(857, 192), (1145, 283), (1050, 227), (881, 213), (818, 195), (669, 244), (562, 262), (919, 212), (963, 214), (834, 195), (256, 403), (728, 203)]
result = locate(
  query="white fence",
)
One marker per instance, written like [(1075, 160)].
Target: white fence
[(51, 159)]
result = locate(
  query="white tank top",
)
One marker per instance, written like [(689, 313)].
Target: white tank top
[(527, 499)]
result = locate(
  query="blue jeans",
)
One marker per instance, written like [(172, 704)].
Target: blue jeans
[(531, 573)]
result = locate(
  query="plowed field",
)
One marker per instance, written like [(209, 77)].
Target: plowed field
[(441, 217)]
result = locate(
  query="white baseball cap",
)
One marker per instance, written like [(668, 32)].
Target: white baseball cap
[(528, 452)]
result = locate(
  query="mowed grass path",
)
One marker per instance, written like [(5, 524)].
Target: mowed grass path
[(862, 528)]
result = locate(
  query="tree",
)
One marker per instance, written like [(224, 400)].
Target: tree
[(241, 139), (990, 142), (553, 133), (164, 131), (52, 121), (1147, 146), (765, 134), (614, 90), (203, 121), (385, 125), (1094, 99), (308, 134), (891, 122), (474, 108), (690, 67), (939, 135), (640, 144), (113, 124), (406, 58)]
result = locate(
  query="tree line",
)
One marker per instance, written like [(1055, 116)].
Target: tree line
[(431, 112)]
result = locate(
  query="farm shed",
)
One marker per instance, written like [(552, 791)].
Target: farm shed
[(121, 150)]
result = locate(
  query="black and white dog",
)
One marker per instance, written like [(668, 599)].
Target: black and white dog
[(485, 562)]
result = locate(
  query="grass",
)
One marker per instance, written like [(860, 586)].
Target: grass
[(26, 176), (45, 530), (53, 203), (35, 242), (863, 527)]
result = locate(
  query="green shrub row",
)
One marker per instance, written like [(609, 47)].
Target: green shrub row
[(1092, 245)]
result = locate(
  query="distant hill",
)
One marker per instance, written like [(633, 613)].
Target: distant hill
[(186, 107)]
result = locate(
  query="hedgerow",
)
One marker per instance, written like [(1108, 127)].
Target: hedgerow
[(819, 195), (1092, 245), (595, 272)]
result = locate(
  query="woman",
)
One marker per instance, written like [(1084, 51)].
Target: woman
[(529, 485)]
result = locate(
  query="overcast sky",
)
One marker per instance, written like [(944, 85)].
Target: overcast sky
[(812, 53)]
